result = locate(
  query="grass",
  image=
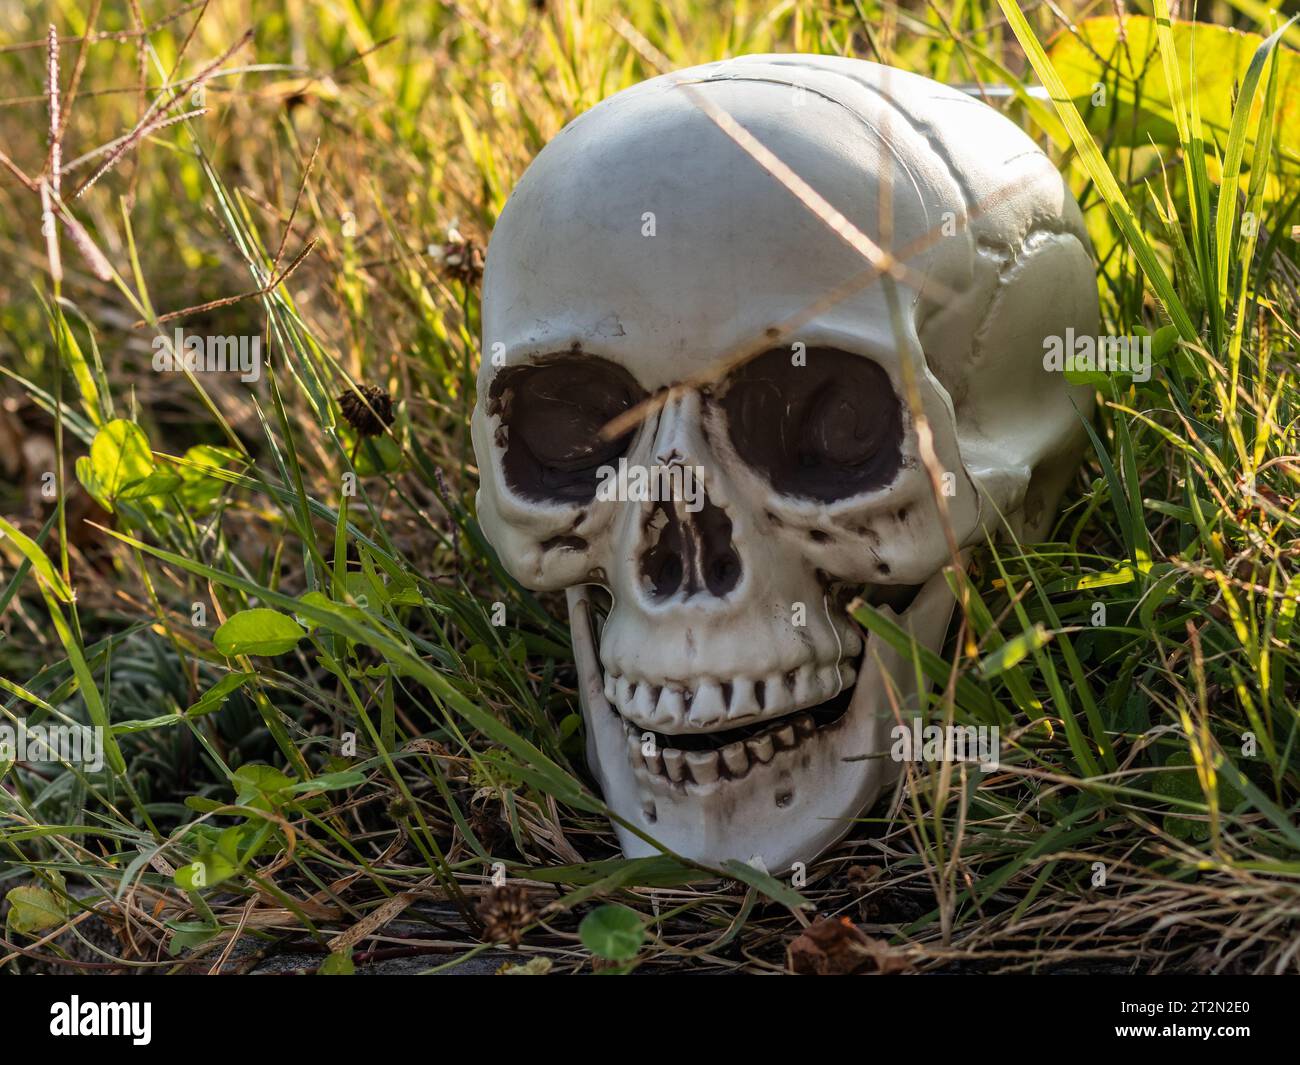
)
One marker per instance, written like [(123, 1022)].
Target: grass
[(353, 797)]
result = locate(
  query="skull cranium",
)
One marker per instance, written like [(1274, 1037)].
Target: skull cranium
[(732, 709)]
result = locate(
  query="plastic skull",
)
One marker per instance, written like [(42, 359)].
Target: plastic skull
[(733, 710)]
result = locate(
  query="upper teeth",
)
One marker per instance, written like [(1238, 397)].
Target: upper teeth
[(676, 706)]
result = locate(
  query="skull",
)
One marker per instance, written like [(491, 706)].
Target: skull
[(733, 710)]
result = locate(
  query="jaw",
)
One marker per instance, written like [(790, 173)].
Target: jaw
[(779, 794)]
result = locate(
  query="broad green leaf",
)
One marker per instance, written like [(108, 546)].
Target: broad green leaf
[(1223, 57), (206, 871), (203, 457), (1099, 171), (614, 933), (199, 489), (158, 483), (219, 854), (119, 457), (378, 454), (253, 782), (1180, 781), (1164, 345), (364, 593), (338, 964), (189, 934), (259, 631), (316, 599), (34, 909)]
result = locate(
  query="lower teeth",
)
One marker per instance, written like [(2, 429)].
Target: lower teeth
[(728, 761)]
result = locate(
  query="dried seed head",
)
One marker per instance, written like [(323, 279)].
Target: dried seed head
[(505, 911), (368, 409), (399, 809)]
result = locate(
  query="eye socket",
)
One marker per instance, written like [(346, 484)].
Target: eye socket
[(826, 430), (551, 415)]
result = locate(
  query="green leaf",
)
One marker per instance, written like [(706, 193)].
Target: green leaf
[(91, 400), (610, 874), (338, 964), (1092, 52), (1099, 170), (214, 698), (260, 631), (200, 489), (254, 782), (1164, 342), (158, 483), (363, 592), (218, 857), (1180, 781), (378, 454), (535, 767), (766, 883), (188, 934), (614, 933), (318, 599), (344, 778), (34, 909), (145, 724), (1014, 651), (1239, 132), (39, 560), (969, 695), (119, 458), (205, 872)]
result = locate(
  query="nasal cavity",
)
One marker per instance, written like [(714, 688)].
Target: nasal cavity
[(687, 553)]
